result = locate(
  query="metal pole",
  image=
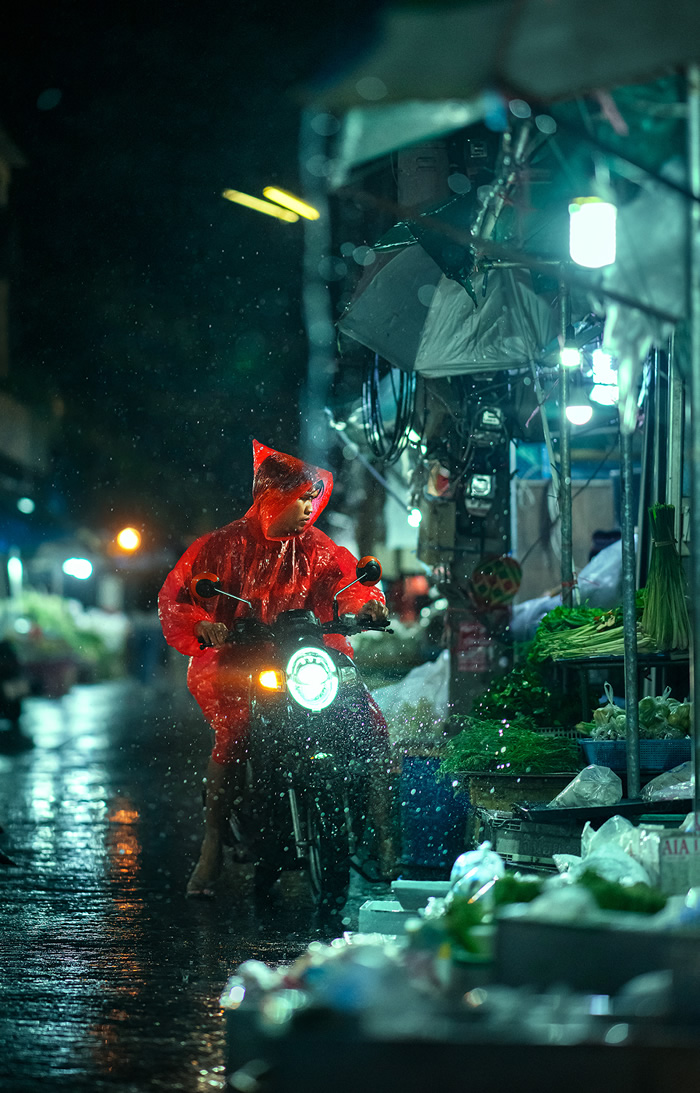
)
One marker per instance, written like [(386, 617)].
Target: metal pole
[(317, 308), (693, 86), (565, 521), (647, 486), (629, 614)]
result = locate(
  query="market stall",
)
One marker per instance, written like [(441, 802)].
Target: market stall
[(474, 297), (482, 316)]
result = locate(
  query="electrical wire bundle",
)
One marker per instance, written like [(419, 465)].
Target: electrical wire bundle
[(387, 446)]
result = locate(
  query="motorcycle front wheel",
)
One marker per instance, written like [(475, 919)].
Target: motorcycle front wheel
[(329, 855)]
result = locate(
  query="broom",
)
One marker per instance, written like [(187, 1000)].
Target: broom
[(665, 616)]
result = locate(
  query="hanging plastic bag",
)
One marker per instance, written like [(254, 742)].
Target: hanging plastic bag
[(592, 786)]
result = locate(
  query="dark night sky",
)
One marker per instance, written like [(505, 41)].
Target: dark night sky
[(164, 319)]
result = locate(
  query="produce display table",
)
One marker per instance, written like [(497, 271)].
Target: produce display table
[(530, 834), (338, 1056)]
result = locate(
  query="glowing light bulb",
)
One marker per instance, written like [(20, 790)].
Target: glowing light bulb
[(579, 414), (592, 232), (414, 517), (570, 356), (129, 539), (80, 568)]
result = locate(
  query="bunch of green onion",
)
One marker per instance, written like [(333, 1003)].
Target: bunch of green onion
[(602, 635), (665, 618)]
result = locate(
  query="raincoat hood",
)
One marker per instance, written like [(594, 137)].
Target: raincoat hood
[(278, 481)]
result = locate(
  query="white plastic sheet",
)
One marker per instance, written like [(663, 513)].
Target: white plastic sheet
[(510, 327), (599, 583), (427, 684)]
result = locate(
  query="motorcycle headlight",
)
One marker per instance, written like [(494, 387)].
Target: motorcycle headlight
[(312, 678)]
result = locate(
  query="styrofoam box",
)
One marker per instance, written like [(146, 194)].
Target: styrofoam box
[(383, 916), (414, 894)]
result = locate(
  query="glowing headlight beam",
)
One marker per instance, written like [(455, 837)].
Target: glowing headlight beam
[(289, 201), (260, 206), (312, 678)]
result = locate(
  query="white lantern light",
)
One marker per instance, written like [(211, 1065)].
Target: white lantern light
[(592, 232), (578, 414)]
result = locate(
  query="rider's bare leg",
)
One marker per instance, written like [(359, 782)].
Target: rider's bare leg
[(216, 808)]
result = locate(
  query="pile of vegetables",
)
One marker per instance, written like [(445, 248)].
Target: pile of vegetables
[(611, 896), (523, 693), (661, 718), (665, 617), (502, 746), (583, 631), (462, 914), (662, 609)]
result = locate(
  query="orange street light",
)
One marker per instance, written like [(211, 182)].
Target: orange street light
[(129, 539)]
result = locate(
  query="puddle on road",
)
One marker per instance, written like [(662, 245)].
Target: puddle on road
[(112, 976)]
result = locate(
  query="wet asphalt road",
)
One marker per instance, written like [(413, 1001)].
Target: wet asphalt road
[(109, 978)]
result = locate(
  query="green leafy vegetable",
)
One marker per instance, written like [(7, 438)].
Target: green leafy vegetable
[(523, 693), (569, 632), (507, 747), (611, 896), (512, 889)]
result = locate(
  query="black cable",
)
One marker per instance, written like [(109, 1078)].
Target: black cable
[(384, 445)]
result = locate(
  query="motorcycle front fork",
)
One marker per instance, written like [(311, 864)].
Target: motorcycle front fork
[(300, 842)]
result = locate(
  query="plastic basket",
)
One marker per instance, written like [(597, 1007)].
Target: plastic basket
[(653, 754)]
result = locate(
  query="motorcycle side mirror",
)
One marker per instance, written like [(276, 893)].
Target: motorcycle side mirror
[(369, 570), (205, 585)]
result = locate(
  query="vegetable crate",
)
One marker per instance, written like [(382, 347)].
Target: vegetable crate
[(525, 843), (502, 791), (654, 755)]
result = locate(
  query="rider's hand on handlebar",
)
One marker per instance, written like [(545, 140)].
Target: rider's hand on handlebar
[(211, 633), (373, 611)]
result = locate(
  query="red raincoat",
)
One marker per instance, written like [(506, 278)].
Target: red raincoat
[(278, 574)]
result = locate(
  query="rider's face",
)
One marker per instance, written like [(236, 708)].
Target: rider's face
[(296, 516)]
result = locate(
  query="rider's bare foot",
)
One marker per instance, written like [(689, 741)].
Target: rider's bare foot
[(206, 871)]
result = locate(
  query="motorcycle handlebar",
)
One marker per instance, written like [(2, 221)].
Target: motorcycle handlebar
[(336, 626)]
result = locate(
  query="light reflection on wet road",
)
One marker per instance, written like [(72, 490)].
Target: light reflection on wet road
[(109, 978)]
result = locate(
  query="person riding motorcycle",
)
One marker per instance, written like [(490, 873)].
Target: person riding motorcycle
[(275, 558)]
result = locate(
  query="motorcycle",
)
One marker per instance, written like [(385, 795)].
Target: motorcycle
[(305, 797)]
